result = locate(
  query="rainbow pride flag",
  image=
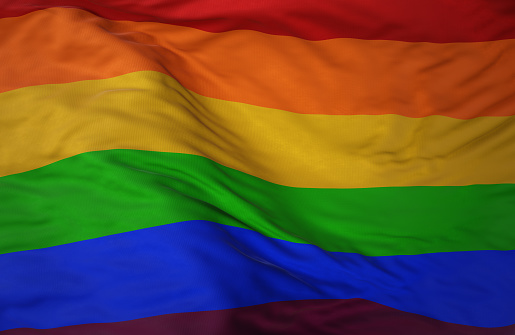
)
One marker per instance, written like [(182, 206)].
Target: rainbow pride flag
[(256, 167)]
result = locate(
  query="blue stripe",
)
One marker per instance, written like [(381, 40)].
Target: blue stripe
[(200, 265)]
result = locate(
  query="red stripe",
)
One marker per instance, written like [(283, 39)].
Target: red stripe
[(307, 317), (437, 21)]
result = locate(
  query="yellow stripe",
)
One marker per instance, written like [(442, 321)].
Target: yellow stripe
[(151, 111)]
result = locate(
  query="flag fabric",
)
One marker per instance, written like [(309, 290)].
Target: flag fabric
[(196, 167)]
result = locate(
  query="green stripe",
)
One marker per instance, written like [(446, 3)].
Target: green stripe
[(107, 192)]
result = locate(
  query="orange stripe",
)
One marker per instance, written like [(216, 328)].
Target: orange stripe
[(339, 76)]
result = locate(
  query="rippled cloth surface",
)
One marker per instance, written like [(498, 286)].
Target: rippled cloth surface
[(272, 167)]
